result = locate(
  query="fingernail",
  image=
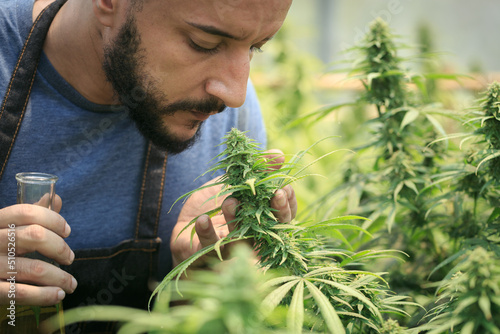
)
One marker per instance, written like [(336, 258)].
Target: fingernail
[(74, 284), (232, 207), (203, 222), (61, 294), (281, 198), (72, 256), (67, 230)]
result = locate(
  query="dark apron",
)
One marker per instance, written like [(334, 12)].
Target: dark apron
[(118, 275)]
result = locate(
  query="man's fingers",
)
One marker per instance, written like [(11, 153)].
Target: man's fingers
[(205, 231), (280, 203), (275, 158), (38, 273), (57, 203), (29, 214), (32, 295), (54, 203), (30, 238), (292, 200), (285, 203)]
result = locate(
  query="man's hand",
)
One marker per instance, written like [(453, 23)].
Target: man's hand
[(37, 228), (210, 230)]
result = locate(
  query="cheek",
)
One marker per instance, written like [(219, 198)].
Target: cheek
[(173, 69)]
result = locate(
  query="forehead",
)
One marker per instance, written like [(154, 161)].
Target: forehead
[(242, 17), (248, 10)]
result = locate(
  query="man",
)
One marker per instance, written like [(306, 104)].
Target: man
[(114, 75)]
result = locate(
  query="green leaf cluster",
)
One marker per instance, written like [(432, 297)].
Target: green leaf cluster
[(315, 283), (469, 297), (425, 192), (226, 299)]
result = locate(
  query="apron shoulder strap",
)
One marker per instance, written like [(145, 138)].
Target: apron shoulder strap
[(150, 200), (19, 89)]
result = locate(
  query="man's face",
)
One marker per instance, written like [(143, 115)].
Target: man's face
[(176, 62)]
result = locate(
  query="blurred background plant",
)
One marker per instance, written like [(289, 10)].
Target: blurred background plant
[(429, 193)]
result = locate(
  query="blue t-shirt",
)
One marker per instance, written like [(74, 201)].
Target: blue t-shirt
[(96, 150)]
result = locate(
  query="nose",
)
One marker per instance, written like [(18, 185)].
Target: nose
[(228, 79)]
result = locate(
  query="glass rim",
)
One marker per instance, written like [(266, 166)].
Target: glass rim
[(36, 177)]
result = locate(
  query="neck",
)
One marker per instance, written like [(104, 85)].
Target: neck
[(74, 46)]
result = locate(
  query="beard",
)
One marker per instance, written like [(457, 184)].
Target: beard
[(123, 66)]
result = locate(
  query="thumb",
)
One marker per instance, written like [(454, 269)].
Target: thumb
[(229, 207), (205, 231), (275, 158), (55, 204)]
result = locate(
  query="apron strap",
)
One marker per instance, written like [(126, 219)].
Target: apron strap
[(21, 82), (150, 200)]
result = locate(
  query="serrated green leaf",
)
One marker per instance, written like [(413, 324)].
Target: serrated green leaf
[(328, 313), (295, 316), (332, 220), (410, 117), (273, 299), (435, 123), (354, 293), (468, 328), (447, 261), (485, 305), (496, 154)]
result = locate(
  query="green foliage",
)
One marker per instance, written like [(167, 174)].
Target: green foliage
[(321, 292), (423, 192), (381, 67), (469, 293), (283, 78), (227, 299), (469, 298), (490, 129)]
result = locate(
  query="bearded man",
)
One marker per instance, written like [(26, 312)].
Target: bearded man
[(126, 102)]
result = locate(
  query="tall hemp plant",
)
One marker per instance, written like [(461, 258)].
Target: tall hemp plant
[(473, 180), (384, 179), (468, 298), (437, 209), (316, 283)]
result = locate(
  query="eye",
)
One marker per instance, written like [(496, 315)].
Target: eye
[(256, 49), (201, 49)]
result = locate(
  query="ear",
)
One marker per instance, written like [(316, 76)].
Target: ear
[(106, 11)]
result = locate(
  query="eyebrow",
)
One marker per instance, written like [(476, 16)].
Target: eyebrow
[(217, 32)]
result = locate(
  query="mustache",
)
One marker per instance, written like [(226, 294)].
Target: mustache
[(206, 106)]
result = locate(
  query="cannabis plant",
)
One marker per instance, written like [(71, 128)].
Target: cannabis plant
[(392, 178), (321, 292), (225, 299), (490, 130), (469, 297), (474, 187), (398, 150)]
